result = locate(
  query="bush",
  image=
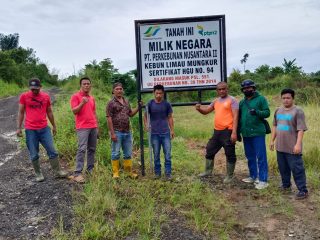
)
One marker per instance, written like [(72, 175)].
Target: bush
[(309, 94)]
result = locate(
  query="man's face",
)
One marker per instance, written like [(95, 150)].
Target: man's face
[(158, 94), (287, 100), (247, 89), (85, 85), (118, 91), (35, 91), (222, 90)]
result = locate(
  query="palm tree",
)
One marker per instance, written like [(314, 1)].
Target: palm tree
[(290, 66), (244, 60)]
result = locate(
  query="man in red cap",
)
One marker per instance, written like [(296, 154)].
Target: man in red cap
[(36, 106)]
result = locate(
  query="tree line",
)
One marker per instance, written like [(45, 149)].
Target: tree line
[(18, 64)]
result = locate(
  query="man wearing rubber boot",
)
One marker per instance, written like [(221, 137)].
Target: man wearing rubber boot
[(36, 106), (118, 112), (225, 130), (83, 106)]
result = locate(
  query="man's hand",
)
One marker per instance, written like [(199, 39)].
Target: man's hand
[(140, 104), (84, 100), (54, 131), (198, 106), (146, 128), (297, 149), (233, 137), (253, 111), (19, 132), (172, 134), (271, 145), (114, 137), (98, 133)]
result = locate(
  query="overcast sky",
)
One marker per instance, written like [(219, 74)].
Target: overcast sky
[(67, 34)]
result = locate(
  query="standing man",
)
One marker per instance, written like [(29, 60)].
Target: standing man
[(288, 128), (36, 105), (225, 130), (254, 109), (118, 112), (162, 130), (84, 108)]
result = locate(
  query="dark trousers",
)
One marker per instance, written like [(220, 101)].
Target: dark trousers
[(288, 163), (221, 138)]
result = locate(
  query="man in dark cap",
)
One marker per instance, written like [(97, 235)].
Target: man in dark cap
[(118, 112), (254, 109), (36, 106)]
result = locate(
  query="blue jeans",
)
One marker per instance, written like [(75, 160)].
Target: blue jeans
[(43, 136), (124, 141), (164, 140), (255, 151), (288, 163)]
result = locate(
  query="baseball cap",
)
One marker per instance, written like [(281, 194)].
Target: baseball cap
[(34, 83)]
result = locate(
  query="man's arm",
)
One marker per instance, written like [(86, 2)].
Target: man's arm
[(264, 112), (235, 114), (77, 109), (297, 149), (111, 129), (21, 112), (171, 125), (135, 110), (273, 137), (204, 110), (145, 122), (51, 119)]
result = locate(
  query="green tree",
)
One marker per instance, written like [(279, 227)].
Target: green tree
[(8, 42), (263, 71), (276, 71)]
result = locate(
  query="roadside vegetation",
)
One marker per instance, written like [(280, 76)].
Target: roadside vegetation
[(108, 209), (139, 209)]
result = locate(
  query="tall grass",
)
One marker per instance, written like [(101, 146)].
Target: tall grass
[(108, 209), (9, 89)]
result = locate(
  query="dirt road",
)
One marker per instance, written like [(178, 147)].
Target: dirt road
[(28, 209)]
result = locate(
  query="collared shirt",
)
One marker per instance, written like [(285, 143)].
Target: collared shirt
[(86, 117), (36, 106), (120, 114)]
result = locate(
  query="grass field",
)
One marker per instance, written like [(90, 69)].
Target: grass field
[(108, 209)]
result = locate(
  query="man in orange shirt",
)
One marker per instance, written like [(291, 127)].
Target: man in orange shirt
[(84, 108), (225, 130)]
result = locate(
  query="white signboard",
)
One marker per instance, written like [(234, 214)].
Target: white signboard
[(180, 54)]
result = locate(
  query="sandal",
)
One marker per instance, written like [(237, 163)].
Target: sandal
[(77, 179)]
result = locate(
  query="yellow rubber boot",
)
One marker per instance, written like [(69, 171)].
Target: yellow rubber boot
[(115, 168), (127, 166)]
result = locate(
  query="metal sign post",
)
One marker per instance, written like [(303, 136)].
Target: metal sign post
[(182, 54)]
